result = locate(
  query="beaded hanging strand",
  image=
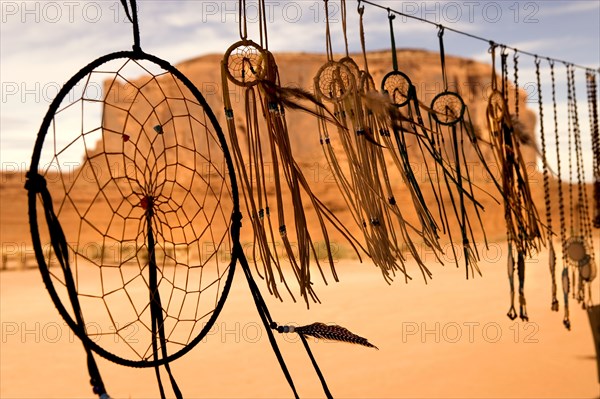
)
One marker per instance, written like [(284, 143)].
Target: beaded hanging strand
[(585, 266), (516, 84), (572, 279), (561, 204), (547, 200), (592, 93), (520, 213)]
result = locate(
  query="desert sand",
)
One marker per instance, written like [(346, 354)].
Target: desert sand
[(447, 339)]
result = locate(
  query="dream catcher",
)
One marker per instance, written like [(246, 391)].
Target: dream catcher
[(144, 233), (383, 119), (520, 213), (406, 123), (579, 245), (450, 117), (252, 67), (360, 169)]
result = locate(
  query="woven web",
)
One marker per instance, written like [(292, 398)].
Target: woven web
[(131, 135), (246, 63), (334, 81), (397, 86), (448, 108)]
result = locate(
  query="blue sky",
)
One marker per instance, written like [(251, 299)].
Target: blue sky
[(43, 43)]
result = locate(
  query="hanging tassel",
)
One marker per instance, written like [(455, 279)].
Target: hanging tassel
[(521, 272), (565, 285), (512, 313), (552, 264)]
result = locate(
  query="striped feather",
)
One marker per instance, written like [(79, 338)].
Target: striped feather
[(333, 333)]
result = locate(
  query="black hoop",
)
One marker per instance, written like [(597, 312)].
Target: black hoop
[(401, 88), (450, 119), (32, 203)]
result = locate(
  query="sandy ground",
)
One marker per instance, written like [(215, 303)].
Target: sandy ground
[(449, 339)]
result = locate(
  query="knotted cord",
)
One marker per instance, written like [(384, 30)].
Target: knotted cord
[(36, 185), (463, 33)]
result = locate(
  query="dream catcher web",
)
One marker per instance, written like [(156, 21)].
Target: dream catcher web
[(152, 170)]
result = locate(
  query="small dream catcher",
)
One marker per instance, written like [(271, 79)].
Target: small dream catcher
[(579, 267), (448, 112), (360, 169), (406, 123), (520, 213), (251, 66), (144, 233)]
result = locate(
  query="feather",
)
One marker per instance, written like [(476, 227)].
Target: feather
[(381, 104), (289, 97), (333, 333)]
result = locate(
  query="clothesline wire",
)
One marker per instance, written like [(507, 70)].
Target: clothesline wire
[(443, 27)]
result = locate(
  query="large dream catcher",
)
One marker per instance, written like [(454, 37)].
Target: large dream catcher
[(145, 230)]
